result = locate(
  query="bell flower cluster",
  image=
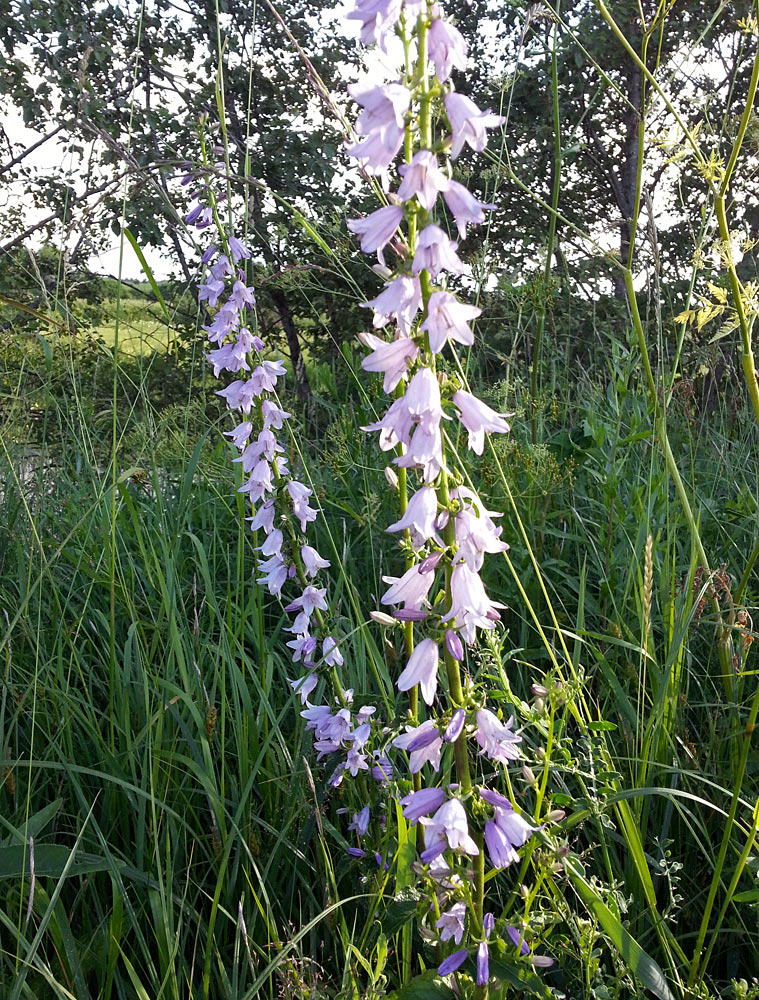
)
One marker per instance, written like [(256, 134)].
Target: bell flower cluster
[(419, 318)]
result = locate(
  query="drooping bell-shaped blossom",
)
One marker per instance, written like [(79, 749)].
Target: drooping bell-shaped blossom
[(517, 830), (265, 446), (424, 452), (330, 653), (299, 495), (241, 296), (450, 823), (451, 964), (378, 150), (464, 207), (477, 418), (421, 803), (400, 300), (482, 964), (446, 47), (272, 545), (273, 415), (311, 599), (470, 605), (377, 18), (265, 376), (312, 561), (498, 740), (422, 669), (382, 770), (210, 291), (303, 686), (517, 939), (447, 318), (468, 123), (264, 517), (476, 534), (410, 590), (238, 250), (451, 923), (435, 252), (422, 178), (427, 754), (377, 229), (500, 849), (419, 518), (360, 822), (227, 358), (260, 483), (391, 357), (394, 426), (274, 576), (302, 646), (384, 107), (240, 434)]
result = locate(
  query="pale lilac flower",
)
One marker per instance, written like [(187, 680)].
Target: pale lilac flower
[(449, 823), (264, 517), (483, 965), (377, 150), (238, 250), (500, 848), (355, 852), (421, 669), (208, 254), (360, 822), (383, 769), (303, 686), (517, 830), (265, 376), (311, 599), (451, 923), (419, 517), (227, 358), (421, 803), (430, 563), (423, 178), (260, 482), (312, 561), (394, 426), (377, 229), (476, 534), (470, 605), (274, 417), (411, 589), (425, 451), (384, 106), (464, 207), (391, 357), (240, 434), (274, 574), (242, 296), (378, 19), (449, 965), (299, 495), (302, 646), (468, 123), (400, 300), (448, 318), (273, 544), (488, 923), (446, 48), (355, 761), (478, 418), (330, 653), (426, 754), (222, 268), (210, 292), (496, 739), (435, 252)]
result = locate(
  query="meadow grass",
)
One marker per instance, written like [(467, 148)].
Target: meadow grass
[(164, 830)]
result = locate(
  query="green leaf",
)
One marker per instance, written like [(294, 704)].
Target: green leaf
[(49, 860), (148, 274), (519, 976), (35, 825), (638, 961), (400, 911), (428, 986)]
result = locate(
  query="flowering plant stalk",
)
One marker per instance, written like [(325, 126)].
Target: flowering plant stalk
[(446, 530)]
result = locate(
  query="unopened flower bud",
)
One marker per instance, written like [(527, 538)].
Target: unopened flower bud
[(562, 851), (528, 775), (391, 477), (454, 727), (540, 705), (555, 816), (454, 645), (557, 867), (524, 892), (539, 691), (430, 563), (410, 615), (381, 618), (540, 753), (442, 519)]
